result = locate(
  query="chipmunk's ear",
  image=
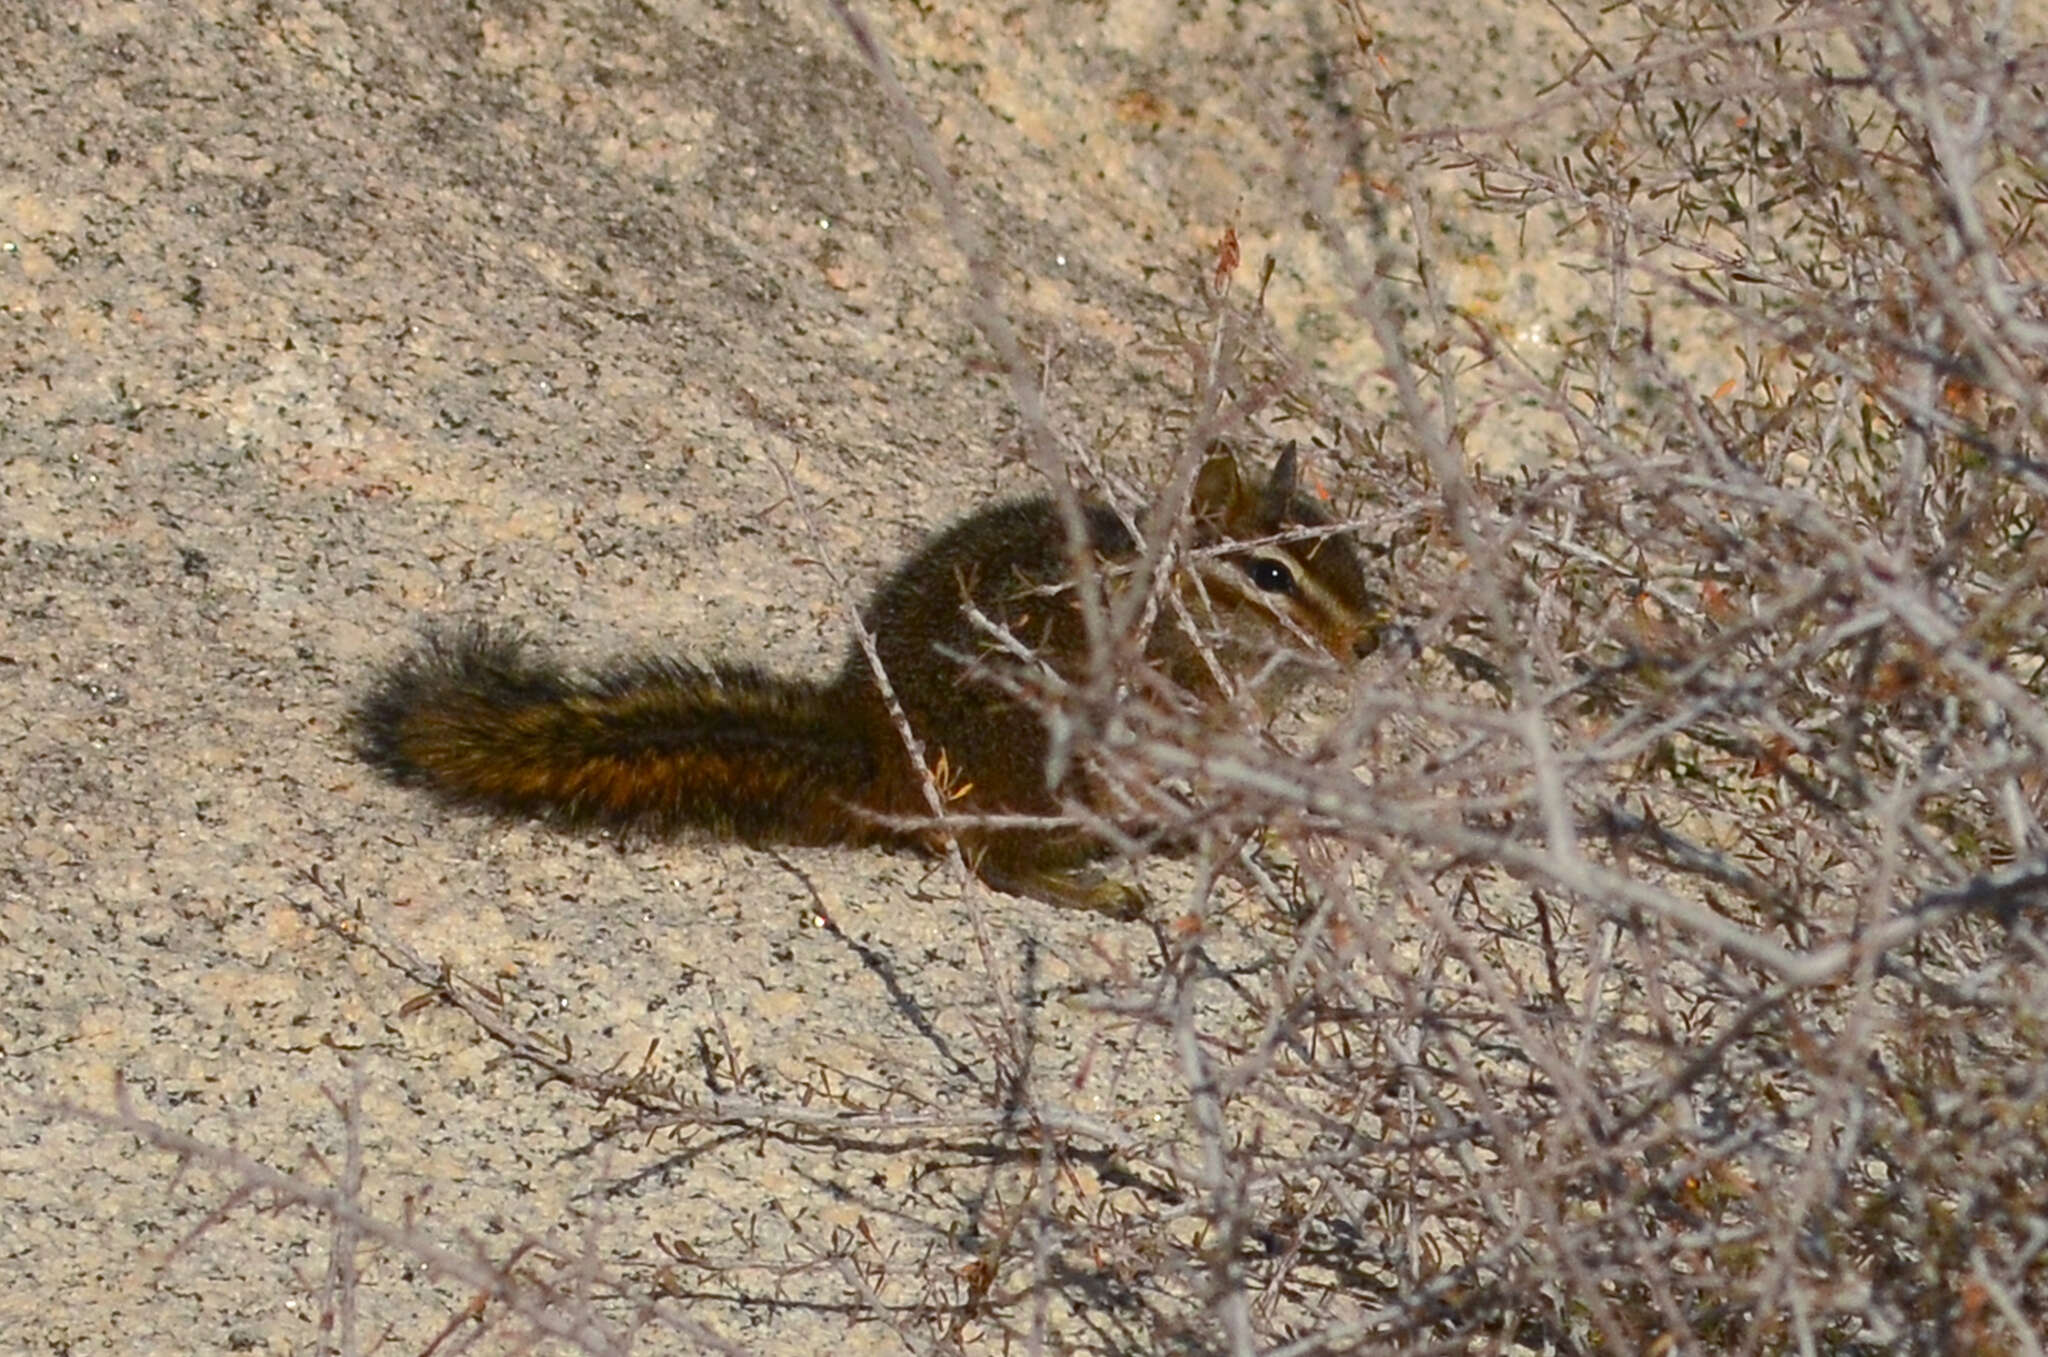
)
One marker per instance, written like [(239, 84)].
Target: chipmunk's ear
[(1225, 500), (1278, 496), (1220, 493)]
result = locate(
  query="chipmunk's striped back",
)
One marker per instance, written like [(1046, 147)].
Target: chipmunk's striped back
[(661, 745)]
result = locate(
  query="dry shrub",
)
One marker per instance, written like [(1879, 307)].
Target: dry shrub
[(1666, 978)]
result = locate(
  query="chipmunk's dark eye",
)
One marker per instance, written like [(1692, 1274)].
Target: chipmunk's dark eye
[(1270, 576)]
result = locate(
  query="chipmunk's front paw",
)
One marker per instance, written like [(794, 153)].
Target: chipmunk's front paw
[(1082, 887)]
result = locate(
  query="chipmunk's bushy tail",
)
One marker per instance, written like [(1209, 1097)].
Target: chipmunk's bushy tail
[(656, 745)]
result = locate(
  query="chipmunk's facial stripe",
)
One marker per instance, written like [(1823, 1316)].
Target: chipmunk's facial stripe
[(1280, 582)]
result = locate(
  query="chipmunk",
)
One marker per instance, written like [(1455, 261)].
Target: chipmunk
[(663, 744)]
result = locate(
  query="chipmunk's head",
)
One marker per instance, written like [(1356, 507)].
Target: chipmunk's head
[(1280, 582)]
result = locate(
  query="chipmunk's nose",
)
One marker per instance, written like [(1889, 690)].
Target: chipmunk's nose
[(1366, 643)]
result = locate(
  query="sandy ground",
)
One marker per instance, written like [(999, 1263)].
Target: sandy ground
[(324, 320)]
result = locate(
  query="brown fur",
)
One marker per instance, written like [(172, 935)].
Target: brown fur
[(663, 746)]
